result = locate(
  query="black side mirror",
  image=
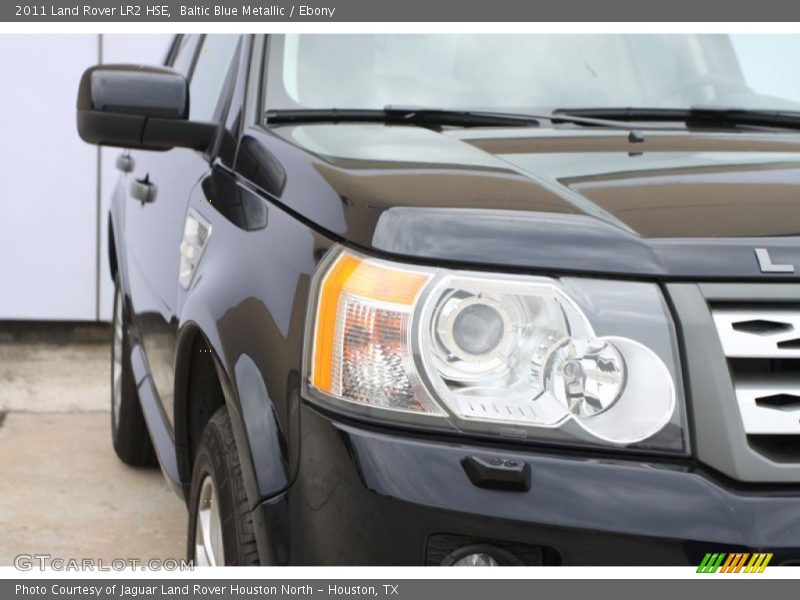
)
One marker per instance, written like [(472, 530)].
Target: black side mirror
[(132, 106)]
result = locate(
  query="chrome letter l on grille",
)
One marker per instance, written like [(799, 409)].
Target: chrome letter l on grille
[(766, 264)]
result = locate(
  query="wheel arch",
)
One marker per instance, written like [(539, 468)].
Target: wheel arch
[(194, 403), (203, 382)]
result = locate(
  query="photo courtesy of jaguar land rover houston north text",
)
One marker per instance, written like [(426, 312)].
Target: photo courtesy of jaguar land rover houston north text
[(460, 299)]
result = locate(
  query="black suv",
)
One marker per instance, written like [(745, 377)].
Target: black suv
[(458, 300)]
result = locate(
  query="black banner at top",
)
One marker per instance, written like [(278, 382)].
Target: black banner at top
[(401, 11)]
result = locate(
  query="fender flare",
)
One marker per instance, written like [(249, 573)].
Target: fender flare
[(256, 431)]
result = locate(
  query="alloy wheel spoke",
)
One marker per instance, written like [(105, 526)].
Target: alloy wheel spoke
[(208, 531)]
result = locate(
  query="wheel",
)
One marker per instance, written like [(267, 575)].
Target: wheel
[(220, 524), (128, 429)]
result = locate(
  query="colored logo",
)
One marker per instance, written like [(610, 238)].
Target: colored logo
[(737, 562)]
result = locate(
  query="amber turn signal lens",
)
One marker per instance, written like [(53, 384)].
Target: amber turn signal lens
[(374, 284)]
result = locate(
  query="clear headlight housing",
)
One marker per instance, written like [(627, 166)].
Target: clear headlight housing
[(570, 360)]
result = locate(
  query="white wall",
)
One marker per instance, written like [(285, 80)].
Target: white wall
[(49, 182), (49, 200)]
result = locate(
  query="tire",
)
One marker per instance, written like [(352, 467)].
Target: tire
[(218, 506), (129, 433)]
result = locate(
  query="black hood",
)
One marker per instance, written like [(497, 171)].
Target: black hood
[(678, 204)]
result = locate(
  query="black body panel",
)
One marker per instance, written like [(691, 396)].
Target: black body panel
[(367, 496)]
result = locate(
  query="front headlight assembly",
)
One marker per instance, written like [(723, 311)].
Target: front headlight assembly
[(574, 361)]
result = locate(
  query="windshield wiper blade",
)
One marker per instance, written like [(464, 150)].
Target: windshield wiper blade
[(697, 116), (433, 117), (391, 115)]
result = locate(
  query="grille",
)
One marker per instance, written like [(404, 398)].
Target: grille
[(762, 345)]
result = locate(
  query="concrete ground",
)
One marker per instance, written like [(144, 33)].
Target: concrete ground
[(63, 492)]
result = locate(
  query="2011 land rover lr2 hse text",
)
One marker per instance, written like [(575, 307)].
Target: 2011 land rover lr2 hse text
[(460, 299)]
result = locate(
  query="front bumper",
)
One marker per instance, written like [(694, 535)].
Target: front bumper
[(366, 497)]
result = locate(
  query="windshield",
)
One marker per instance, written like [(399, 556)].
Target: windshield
[(534, 73)]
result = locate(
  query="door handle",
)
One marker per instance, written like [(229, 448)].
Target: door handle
[(142, 190), (125, 163)]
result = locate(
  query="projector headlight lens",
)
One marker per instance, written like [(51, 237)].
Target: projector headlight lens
[(495, 355), (587, 376), (477, 328)]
